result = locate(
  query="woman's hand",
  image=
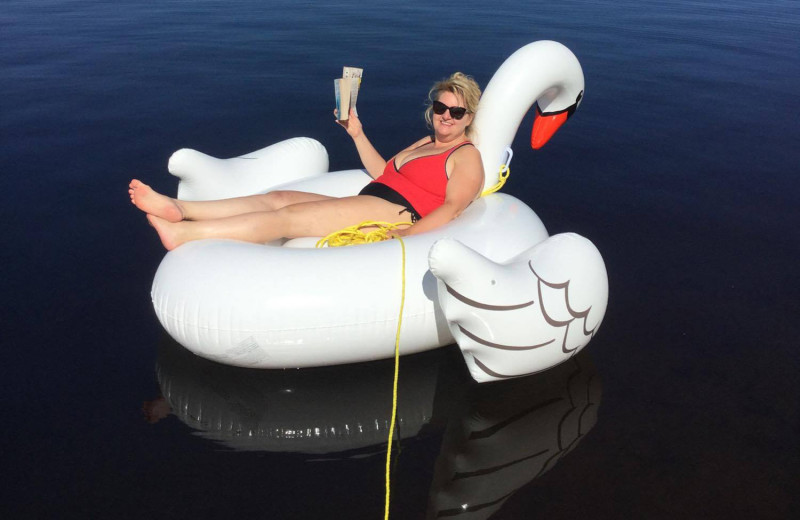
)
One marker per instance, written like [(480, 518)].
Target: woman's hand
[(351, 125), (370, 158)]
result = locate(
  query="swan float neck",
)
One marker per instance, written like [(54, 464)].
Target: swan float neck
[(543, 72)]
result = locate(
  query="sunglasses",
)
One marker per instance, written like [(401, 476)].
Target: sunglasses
[(440, 108)]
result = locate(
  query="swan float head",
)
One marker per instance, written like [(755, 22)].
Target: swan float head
[(524, 316), (546, 73)]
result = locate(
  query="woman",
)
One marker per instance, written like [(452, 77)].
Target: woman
[(430, 183)]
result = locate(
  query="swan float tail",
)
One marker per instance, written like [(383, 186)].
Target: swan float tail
[(526, 315), (207, 178)]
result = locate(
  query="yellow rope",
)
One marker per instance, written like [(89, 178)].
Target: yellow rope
[(354, 235), (394, 386), (505, 171)]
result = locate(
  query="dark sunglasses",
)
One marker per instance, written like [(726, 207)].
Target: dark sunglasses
[(439, 108)]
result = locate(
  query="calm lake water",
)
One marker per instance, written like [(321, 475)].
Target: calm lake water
[(681, 166)]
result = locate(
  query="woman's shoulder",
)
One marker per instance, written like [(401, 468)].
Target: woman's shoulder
[(467, 151), (465, 161)]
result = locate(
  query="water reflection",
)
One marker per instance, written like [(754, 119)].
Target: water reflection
[(323, 410), (496, 437), (510, 433)]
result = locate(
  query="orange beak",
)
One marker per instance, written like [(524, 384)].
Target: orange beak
[(545, 126)]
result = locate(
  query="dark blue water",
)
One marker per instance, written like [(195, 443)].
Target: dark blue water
[(681, 166)]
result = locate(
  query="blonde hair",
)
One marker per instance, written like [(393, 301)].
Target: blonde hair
[(461, 85)]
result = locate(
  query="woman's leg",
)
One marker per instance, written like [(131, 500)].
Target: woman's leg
[(315, 218), (174, 210)]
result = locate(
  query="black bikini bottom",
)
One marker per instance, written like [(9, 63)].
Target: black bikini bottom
[(382, 191)]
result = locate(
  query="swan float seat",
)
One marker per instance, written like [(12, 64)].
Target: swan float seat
[(288, 304)]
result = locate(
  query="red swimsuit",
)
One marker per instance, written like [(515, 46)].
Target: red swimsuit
[(421, 181)]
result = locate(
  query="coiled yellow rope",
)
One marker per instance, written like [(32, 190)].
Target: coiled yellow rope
[(354, 235)]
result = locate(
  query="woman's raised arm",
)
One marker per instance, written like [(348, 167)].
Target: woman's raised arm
[(373, 162)]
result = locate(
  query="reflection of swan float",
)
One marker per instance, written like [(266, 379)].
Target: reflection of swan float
[(510, 434), (494, 438), (515, 300), (325, 410)]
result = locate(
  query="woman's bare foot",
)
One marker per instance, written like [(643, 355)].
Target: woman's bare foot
[(169, 232), (154, 203)]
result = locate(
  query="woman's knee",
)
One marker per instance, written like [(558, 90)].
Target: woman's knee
[(274, 200), (280, 199)]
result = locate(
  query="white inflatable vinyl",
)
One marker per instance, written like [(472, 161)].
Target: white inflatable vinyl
[(290, 305), (276, 307), (536, 310), (207, 178)]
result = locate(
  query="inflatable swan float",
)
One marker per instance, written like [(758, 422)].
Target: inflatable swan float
[(515, 300)]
